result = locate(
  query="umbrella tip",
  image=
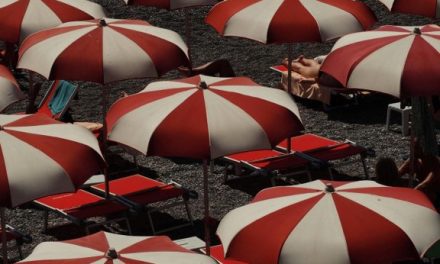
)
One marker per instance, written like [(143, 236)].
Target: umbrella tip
[(417, 31), (102, 22), (329, 188), (203, 85), (111, 253)]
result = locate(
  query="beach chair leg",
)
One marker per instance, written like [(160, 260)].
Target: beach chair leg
[(330, 173), (387, 123), (127, 222), (226, 175), (364, 166), (20, 252), (46, 220), (188, 212), (150, 219), (309, 175), (135, 161)]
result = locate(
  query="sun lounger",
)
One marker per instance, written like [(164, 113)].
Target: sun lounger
[(326, 149), (273, 163), (13, 235), (218, 254), (80, 206), (308, 88), (140, 192), (57, 99)]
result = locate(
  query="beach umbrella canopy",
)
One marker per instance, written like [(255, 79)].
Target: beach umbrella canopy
[(171, 4), (203, 117), (41, 156), (34, 162), (9, 90), (428, 8), (103, 51), (20, 18), (290, 21), (396, 60), (331, 222), (104, 247)]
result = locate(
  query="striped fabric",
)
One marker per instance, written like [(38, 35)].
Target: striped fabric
[(331, 222), (203, 117), (103, 51), (396, 60), (171, 4), (288, 21), (40, 156), (20, 18), (428, 8), (9, 90), (103, 247)]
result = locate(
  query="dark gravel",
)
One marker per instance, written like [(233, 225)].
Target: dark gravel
[(363, 123)]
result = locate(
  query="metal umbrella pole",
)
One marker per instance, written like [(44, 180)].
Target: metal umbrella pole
[(105, 95), (423, 129), (188, 32), (4, 239), (206, 205), (289, 83)]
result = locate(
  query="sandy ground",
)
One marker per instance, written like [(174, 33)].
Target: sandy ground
[(363, 123)]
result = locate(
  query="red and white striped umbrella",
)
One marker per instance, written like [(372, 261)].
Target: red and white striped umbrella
[(428, 8), (9, 90), (103, 51), (40, 156), (400, 61), (288, 21), (331, 222), (20, 18), (171, 4), (203, 117), (103, 247)]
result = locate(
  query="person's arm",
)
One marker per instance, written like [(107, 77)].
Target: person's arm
[(404, 168)]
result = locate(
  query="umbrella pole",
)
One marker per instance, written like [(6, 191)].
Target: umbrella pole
[(188, 37), (289, 83), (423, 129), (4, 240), (32, 95), (104, 137), (206, 203)]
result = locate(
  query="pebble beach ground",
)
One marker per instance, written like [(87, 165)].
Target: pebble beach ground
[(363, 123)]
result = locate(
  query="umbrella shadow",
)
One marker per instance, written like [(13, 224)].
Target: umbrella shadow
[(370, 109)]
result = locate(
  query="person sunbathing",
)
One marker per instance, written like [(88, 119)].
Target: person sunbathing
[(308, 68), (422, 164)]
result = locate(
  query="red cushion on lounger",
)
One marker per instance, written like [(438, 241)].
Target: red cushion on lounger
[(141, 189), (81, 204), (309, 142), (269, 159), (218, 254)]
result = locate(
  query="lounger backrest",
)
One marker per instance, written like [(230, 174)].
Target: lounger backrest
[(53, 94)]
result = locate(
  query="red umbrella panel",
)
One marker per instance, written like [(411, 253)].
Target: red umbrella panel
[(34, 162), (9, 90), (428, 8), (103, 51), (331, 222), (104, 247), (171, 4), (397, 60), (20, 18), (289, 21), (203, 117)]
